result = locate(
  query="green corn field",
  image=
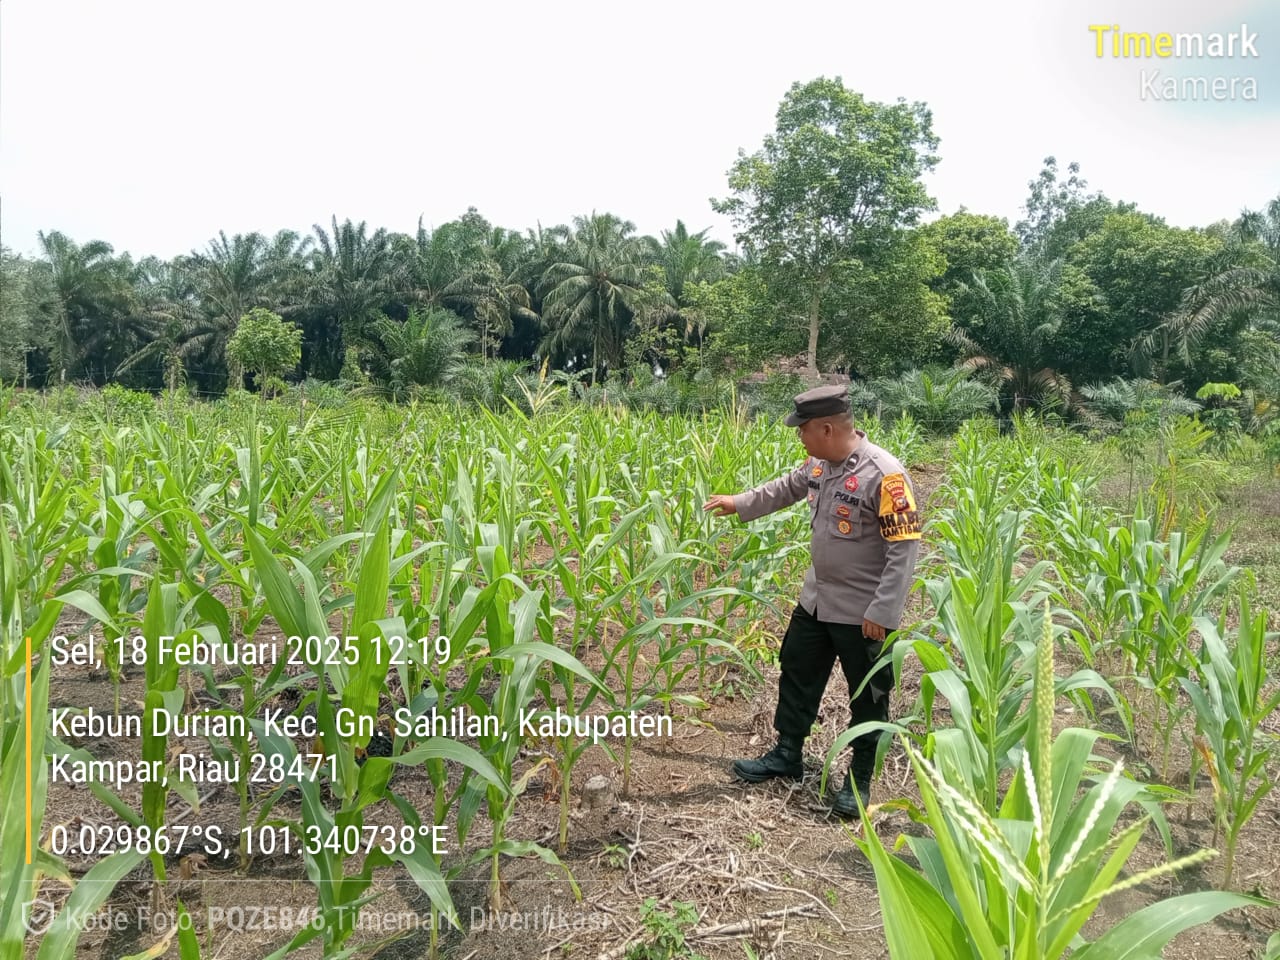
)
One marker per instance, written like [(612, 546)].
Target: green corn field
[(276, 675)]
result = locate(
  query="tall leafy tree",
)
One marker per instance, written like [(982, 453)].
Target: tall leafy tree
[(267, 346), (969, 242), (589, 294), (839, 174), (1123, 281), (1050, 199), (884, 318), (738, 323)]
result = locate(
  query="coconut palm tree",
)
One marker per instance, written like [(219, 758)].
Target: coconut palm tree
[(588, 295), (495, 299), (1012, 341)]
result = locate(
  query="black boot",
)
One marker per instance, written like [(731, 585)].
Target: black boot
[(858, 778), (784, 760)]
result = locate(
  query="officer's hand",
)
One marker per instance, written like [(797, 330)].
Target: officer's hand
[(722, 504), (873, 631)]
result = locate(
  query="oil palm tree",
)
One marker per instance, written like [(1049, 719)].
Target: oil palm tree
[(165, 295), (686, 257), (1108, 404), (354, 274), (1242, 282), (84, 288), (424, 351), (228, 279), (1012, 338), (939, 399), (495, 299), (429, 261), (20, 319)]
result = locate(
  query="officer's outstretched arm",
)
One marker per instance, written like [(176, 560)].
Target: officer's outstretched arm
[(774, 495)]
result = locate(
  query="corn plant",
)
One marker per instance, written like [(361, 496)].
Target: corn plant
[(161, 695), (341, 894), (1146, 595), (1231, 703), (518, 642), (988, 619), (23, 862), (1021, 879), (585, 569), (37, 545)]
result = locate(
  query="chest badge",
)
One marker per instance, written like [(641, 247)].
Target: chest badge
[(842, 510), (851, 483), (816, 471), (844, 526)]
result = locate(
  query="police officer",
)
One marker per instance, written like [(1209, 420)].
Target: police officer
[(865, 536)]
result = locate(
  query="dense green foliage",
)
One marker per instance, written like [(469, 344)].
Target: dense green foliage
[(835, 271)]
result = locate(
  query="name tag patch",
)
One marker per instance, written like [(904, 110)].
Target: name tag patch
[(899, 518)]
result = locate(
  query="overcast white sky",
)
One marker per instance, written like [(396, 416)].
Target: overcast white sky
[(152, 125)]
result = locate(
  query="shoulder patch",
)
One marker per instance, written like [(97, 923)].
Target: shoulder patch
[(899, 518)]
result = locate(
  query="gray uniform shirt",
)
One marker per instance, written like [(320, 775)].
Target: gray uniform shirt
[(865, 532)]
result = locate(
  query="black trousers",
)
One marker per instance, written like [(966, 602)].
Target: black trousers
[(809, 650)]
